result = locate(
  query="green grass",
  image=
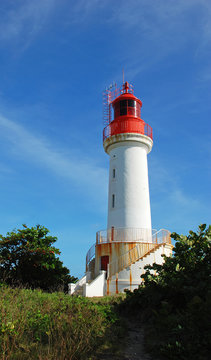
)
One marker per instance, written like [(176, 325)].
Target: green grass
[(38, 325)]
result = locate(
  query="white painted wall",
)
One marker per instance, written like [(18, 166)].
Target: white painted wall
[(73, 287), (128, 156), (96, 287), (137, 269)]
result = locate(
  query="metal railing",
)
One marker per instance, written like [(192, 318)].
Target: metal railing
[(130, 257), (138, 252), (146, 239), (121, 127), (90, 255), (125, 235), (161, 236), (109, 95)]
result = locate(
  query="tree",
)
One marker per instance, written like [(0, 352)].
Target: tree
[(188, 271), (175, 299), (28, 258)]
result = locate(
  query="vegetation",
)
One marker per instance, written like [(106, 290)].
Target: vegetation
[(173, 302), (28, 258), (37, 325), (175, 299)]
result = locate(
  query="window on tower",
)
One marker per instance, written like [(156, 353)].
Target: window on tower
[(113, 200), (114, 173)]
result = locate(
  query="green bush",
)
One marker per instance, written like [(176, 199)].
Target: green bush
[(175, 299), (37, 325), (28, 258)]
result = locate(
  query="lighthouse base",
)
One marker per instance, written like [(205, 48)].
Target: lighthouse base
[(130, 277), (126, 269)]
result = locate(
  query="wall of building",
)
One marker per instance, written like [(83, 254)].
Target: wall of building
[(130, 278), (129, 202), (113, 250), (97, 287)]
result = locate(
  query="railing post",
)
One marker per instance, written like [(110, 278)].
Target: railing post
[(107, 271), (108, 292), (131, 279), (117, 291), (112, 233), (138, 251)]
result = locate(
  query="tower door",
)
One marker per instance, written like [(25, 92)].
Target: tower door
[(104, 262)]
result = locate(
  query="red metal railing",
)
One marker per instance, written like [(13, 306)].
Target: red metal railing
[(127, 126)]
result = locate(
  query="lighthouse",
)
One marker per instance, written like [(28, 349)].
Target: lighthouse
[(127, 140), (117, 259)]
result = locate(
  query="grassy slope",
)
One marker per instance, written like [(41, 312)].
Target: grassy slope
[(37, 325)]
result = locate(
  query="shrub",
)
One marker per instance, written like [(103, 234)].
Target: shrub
[(28, 258), (175, 299), (37, 325)]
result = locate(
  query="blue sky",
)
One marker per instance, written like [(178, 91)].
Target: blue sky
[(56, 58)]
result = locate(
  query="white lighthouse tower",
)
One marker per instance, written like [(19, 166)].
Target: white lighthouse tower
[(128, 140), (116, 261)]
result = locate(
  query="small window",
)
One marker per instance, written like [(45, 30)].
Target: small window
[(113, 200), (114, 173)]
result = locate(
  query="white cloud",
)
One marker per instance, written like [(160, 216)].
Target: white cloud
[(179, 198), (24, 19), (81, 171), (167, 25), (159, 28), (5, 170), (165, 188)]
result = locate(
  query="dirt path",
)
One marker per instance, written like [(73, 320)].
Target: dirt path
[(134, 346), (131, 347)]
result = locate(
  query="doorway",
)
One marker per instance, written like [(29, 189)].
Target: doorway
[(104, 263)]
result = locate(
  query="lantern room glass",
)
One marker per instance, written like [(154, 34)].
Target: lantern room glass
[(127, 107)]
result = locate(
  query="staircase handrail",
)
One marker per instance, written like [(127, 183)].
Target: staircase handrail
[(90, 255), (138, 252)]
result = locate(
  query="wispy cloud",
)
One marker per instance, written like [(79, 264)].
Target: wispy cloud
[(166, 188), (5, 170), (167, 25), (82, 171), (156, 18), (159, 28), (22, 20), (177, 196), (174, 207)]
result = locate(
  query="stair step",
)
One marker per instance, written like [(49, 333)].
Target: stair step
[(79, 291)]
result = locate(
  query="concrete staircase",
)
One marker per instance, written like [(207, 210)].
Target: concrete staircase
[(125, 271), (137, 253)]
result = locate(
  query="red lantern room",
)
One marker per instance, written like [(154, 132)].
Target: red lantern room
[(126, 112)]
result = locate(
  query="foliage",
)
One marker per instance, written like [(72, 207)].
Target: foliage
[(37, 325), (176, 299), (28, 258)]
